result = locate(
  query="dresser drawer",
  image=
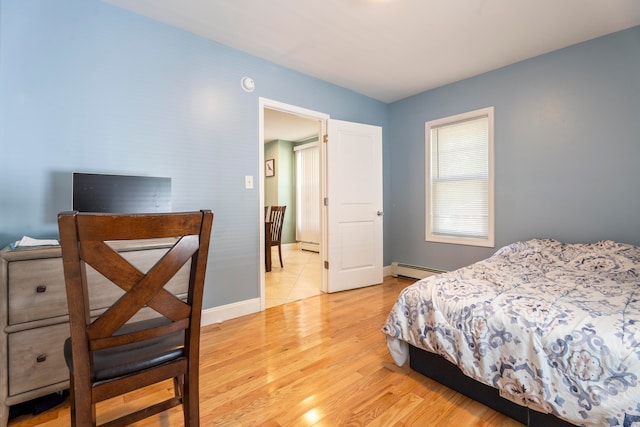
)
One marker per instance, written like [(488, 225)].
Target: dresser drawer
[(37, 289), (36, 358)]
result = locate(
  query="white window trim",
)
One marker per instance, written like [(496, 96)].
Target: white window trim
[(484, 242)]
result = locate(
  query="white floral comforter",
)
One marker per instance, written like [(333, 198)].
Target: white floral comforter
[(553, 326)]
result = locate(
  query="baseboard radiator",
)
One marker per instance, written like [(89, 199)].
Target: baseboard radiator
[(412, 271)]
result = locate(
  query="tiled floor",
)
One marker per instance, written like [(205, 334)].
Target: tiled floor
[(300, 278)]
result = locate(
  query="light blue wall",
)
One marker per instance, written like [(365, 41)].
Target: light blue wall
[(280, 189), (271, 182), (86, 86), (567, 151), (287, 189)]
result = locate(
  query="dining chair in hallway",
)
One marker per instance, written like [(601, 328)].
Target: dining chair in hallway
[(147, 335), (277, 220)]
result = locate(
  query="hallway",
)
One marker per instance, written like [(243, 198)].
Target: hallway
[(300, 278)]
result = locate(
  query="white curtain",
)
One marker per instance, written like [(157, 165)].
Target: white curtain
[(308, 193)]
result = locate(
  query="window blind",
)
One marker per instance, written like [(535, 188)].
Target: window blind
[(459, 179)]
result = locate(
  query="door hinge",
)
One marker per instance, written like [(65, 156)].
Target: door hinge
[(326, 265), (326, 201), (326, 138)]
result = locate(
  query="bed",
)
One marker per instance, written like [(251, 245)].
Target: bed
[(544, 331)]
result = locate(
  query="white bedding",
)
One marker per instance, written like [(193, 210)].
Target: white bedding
[(553, 326)]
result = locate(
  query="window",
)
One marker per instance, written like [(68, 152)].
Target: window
[(459, 179)]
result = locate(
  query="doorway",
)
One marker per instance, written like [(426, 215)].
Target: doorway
[(283, 127)]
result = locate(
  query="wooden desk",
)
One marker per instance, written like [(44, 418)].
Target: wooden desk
[(267, 246)]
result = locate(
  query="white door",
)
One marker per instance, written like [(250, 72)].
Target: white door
[(354, 205)]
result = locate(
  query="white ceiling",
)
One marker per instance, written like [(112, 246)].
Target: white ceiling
[(391, 49), (288, 127), (388, 49)]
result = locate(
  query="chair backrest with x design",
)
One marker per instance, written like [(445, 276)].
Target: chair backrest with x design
[(122, 349)]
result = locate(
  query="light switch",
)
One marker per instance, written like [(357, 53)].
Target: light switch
[(248, 182)]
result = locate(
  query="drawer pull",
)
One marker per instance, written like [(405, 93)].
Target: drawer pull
[(41, 289), (41, 358)]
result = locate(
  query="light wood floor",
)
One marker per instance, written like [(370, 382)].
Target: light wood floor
[(320, 361)]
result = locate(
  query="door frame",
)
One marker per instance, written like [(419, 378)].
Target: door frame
[(299, 111)]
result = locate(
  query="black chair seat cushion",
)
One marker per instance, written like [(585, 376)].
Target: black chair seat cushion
[(123, 360)]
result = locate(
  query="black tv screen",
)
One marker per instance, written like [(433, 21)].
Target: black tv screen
[(121, 193)]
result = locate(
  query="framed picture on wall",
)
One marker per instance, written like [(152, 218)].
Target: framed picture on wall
[(270, 167)]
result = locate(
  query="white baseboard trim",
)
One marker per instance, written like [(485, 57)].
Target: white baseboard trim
[(387, 270), (311, 247), (219, 314)]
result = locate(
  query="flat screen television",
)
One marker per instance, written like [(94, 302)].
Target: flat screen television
[(121, 193)]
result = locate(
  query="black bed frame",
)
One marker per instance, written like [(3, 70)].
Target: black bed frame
[(445, 372)]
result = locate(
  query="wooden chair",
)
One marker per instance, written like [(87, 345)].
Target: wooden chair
[(148, 335), (277, 220)]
